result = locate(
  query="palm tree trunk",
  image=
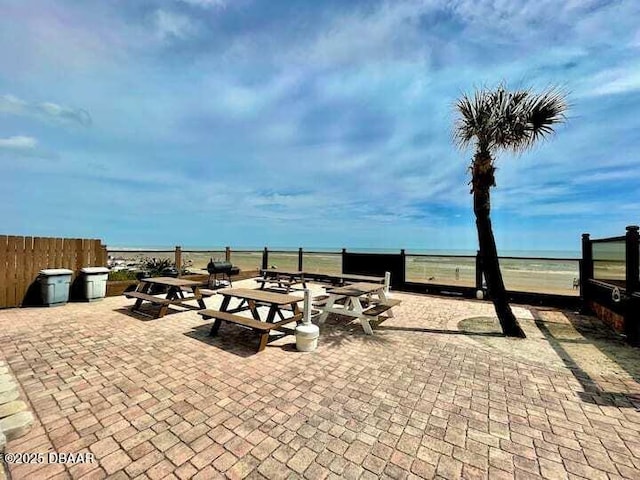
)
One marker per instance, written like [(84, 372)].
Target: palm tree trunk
[(489, 253)]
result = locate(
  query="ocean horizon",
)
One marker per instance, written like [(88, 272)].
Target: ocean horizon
[(540, 253)]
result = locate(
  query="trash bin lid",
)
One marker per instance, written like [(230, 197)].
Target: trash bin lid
[(55, 271), (94, 270)]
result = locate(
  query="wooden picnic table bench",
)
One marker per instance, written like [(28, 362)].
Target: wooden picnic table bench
[(250, 300), (175, 294), (281, 279)]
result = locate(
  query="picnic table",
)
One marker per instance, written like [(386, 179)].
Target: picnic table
[(280, 278), (365, 301), (175, 294), (280, 305)]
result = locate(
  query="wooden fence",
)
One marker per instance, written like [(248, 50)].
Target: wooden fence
[(22, 258)]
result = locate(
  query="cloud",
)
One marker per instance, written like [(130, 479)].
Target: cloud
[(46, 111), (22, 146), (18, 143), (172, 25), (205, 3), (615, 81)]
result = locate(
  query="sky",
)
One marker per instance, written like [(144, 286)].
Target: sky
[(310, 123)]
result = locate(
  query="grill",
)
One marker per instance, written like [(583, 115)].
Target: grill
[(215, 268), (219, 267)]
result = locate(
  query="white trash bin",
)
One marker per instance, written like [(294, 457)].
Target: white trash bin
[(95, 282), (54, 286)]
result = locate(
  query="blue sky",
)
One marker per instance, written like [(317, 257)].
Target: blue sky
[(312, 123)]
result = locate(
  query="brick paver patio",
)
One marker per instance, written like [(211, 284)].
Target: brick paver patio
[(424, 397)]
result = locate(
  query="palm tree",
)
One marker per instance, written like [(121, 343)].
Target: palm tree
[(495, 120)]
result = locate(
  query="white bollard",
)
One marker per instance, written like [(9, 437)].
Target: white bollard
[(307, 334)]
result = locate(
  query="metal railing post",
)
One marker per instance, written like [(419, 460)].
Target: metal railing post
[(344, 252), (633, 259), (586, 271), (300, 259), (403, 266), (632, 283), (265, 258)]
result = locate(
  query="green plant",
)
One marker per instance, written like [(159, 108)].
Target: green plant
[(120, 275), (154, 267)]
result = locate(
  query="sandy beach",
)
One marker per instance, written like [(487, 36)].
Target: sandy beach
[(541, 276)]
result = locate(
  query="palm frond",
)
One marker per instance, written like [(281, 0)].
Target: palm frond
[(510, 120)]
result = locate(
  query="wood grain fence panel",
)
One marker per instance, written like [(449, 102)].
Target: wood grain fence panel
[(59, 253), (49, 258), (67, 254), (22, 263), (37, 256), (88, 256), (78, 253), (29, 261), (11, 271), (100, 260), (4, 281)]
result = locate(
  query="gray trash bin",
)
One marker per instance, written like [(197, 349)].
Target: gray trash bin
[(95, 282), (54, 286)]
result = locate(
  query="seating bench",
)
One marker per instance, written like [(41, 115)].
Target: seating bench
[(205, 292), (275, 280), (262, 328), (320, 300), (149, 298), (380, 308)]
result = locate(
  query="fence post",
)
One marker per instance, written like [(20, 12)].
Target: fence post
[(300, 259), (344, 252), (265, 258), (633, 259), (105, 256), (178, 259), (632, 254), (403, 280), (478, 271), (586, 271), (227, 254)]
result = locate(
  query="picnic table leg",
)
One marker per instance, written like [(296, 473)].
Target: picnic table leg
[(264, 338), (143, 287), (254, 310), (225, 304), (356, 307), (163, 310), (272, 314), (323, 316), (198, 295), (215, 326), (173, 294)]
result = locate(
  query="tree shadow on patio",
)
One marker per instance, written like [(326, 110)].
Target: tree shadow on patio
[(339, 330), (151, 311), (476, 326), (235, 339), (596, 356)]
